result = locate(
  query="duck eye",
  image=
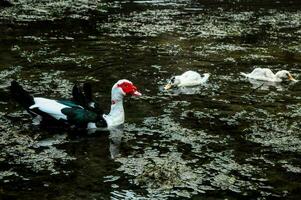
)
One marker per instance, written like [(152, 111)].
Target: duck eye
[(172, 80)]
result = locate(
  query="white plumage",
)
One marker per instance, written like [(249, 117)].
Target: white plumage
[(265, 74), (49, 106), (188, 78)]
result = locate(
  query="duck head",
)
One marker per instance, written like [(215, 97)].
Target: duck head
[(285, 75), (173, 82), (125, 87)]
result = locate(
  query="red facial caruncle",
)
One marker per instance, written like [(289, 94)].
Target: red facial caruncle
[(129, 88)]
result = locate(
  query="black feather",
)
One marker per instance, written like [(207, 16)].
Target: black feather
[(84, 97), (80, 116), (78, 95), (88, 91), (20, 95)]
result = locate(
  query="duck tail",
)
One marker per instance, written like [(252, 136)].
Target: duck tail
[(244, 74), (21, 95)]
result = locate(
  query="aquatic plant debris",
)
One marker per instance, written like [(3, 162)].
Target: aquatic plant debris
[(225, 139), (169, 175), (20, 149), (47, 10)]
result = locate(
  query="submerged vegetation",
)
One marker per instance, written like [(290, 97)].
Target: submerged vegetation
[(231, 138)]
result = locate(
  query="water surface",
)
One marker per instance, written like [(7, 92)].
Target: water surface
[(225, 139)]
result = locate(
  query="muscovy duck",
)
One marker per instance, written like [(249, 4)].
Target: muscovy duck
[(189, 78), (265, 74), (72, 112)]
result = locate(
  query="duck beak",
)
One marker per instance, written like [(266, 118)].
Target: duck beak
[(167, 87), (290, 77), (137, 94)]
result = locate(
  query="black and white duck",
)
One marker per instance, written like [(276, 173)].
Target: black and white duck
[(81, 111)]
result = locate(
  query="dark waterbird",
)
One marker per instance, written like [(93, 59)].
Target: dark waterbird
[(81, 111)]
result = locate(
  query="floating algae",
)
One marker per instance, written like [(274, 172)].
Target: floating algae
[(171, 174), (225, 139), (277, 132), (19, 150), (31, 10)]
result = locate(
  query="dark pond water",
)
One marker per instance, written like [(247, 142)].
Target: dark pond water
[(222, 140)]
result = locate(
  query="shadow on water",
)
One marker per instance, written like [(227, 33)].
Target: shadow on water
[(230, 138)]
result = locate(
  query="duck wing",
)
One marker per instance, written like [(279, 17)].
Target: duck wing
[(268, 73), (78, 95), (263, 74), (190, 78), (50, 107), (80, 116), (84, 97), (87, 88)]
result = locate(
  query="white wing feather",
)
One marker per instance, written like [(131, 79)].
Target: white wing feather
[(50, 107)]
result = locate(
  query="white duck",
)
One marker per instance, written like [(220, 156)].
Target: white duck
[(73, 112), (189, 78), (265, 74)]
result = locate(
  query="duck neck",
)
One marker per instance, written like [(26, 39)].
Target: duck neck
[(116, 115), (206, 76), (277, 77)]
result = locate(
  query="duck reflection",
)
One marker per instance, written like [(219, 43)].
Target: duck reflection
[(185, 90), (265, 85), (115, 137)]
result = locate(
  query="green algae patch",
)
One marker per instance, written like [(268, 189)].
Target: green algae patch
[(21, 151), (31, 10), (280, 131)]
